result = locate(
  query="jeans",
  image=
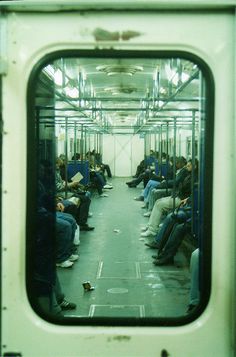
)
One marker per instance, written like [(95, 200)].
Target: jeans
[(64, 237), (149, 187)]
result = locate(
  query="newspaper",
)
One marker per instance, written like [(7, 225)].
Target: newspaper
[(77, 177)]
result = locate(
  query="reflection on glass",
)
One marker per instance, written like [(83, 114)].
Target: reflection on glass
[(108, 130)]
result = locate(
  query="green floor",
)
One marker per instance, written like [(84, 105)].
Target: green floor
[(115, 260)]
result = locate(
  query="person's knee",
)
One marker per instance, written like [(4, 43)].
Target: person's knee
[(64, 227)]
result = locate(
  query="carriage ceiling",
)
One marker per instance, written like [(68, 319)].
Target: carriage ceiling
[(120, 95)]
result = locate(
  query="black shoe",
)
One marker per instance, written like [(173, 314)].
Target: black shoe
[(66, 305), (130, 184), (86, 228), (153, 245), (164, 261)]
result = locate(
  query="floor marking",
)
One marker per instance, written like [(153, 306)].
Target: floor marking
[(99, 272), (140, 307), (118, 291), (138, 272)]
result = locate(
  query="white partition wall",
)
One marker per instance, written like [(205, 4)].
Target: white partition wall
[(123, 153)]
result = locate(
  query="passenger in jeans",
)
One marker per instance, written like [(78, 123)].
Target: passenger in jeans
[(65, 234), (80, 213), (164, 204), (46, 287), (163, 189)]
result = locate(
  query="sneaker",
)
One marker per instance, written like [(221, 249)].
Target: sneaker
[(66, 305), (73, 257), (144, 206), (143, 229), (108, 186), (103, 195), (147, 214), (148, 233), (65, 264), (90, 214)]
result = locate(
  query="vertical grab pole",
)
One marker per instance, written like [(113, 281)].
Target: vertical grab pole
[(82, 144), (160, 151), (155, 140), (193, 168), (101, 147), (167, 154), (145, 148), (66, 156), (75, 138), (85, 141), (174, 162)]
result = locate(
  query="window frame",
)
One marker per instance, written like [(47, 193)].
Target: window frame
[(206, 259)]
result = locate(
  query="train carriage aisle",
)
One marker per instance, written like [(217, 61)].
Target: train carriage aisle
[(119, 266)]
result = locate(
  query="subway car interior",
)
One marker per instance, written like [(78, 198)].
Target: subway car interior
[(111, 135)]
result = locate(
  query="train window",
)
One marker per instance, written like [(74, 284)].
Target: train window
[(119, 214)]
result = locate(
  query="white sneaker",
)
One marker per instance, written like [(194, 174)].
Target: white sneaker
[(65, 264), (143, 229), (73, 257), (108, 186), (148, 233), (103, 195), (147, 214)]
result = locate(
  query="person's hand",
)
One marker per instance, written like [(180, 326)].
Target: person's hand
[(60, 207), (73, 184)]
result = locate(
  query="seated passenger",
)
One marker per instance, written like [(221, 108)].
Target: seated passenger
[(148, 167), (80, 212), (98, 161), (144, 176), (46, 286), (155, 181), (97, 177), (167, 203), (171, 234), (163, 189)]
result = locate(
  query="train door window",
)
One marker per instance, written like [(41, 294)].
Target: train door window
[(119, 124)]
